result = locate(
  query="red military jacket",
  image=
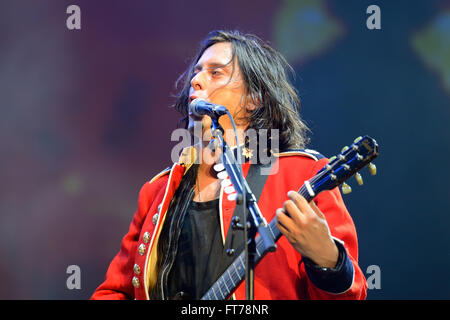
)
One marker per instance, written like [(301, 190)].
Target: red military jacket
[(280, 275)]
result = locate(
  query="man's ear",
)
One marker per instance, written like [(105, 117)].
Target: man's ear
[(252, 102)]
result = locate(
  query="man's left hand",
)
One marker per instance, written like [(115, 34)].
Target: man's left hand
[(306, 228)]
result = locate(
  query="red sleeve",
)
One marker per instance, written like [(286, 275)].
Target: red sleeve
[(117, 284), (341, 227)]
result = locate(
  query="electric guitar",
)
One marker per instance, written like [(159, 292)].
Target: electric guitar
[(340, 168)]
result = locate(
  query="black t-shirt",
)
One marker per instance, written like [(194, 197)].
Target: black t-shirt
[(197, 264)]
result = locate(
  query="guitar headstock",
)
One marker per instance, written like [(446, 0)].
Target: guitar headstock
[(346, 164)]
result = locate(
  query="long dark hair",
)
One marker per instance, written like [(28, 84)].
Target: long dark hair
[(264, 72)]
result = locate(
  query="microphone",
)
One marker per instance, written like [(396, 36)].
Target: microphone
[(200, 107)]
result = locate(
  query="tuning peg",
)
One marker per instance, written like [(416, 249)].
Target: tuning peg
[(357, 139), (344, 149), (359, 179), (372, 169), (346, 189), (332, 158)]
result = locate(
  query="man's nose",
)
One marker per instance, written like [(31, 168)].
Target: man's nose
[(196, 81)]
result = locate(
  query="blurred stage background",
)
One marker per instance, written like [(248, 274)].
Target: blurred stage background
[(85, 120)]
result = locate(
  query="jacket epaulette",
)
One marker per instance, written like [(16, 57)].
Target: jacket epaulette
[(302, 152), (159, 175)]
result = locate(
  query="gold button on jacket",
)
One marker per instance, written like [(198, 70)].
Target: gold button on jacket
[(137, 269), (155, 218), (146, 237), (135, 282), (141, 249)]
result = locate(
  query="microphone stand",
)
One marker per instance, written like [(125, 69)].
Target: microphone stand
[(255, 222)]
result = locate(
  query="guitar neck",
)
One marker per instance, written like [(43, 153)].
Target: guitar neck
[(235, 273)]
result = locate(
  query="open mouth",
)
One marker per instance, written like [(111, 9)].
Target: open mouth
[(191, 98)]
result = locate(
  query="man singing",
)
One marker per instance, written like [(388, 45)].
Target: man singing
[(182, 239)]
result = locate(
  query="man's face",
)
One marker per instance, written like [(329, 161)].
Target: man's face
[(218, 81)]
